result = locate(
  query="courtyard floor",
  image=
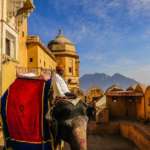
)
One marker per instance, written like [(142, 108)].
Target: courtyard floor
[(108, 142), (103, 141)]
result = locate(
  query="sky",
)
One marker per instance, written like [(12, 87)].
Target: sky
[(111, 36)]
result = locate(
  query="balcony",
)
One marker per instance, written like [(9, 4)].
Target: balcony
[(19, 7), (35, 70), (27, 8), (6, 59), (17, 10)]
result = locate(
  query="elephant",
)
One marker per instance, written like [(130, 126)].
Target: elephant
[(70, 123), (69, 120)]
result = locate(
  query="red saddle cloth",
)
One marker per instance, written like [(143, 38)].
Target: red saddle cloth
[(24, 110)]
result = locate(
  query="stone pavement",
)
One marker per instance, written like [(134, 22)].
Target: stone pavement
[(108, 142)]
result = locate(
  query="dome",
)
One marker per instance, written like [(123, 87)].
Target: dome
[(60, 39)]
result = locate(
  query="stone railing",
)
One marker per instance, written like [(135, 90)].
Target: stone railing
[(36, 70), (31, 39)]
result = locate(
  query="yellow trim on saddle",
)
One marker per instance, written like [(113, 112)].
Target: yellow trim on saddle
[(42, 142)]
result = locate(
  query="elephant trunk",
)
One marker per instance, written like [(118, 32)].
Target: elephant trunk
[(79, 140)]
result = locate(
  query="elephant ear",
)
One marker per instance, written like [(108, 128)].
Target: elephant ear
[(82, 108), (51, 98), (48, 115), (54, 128)]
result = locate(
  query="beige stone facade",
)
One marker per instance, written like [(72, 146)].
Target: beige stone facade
[(67, 58), (133, 103), (13, 33), (19, 50), (39, 56), (94, 94)]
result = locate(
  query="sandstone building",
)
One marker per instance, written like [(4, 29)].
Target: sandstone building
[(133, 103), (67, 58), (94, 94), (39, 56), (13, 34), (19, 50)]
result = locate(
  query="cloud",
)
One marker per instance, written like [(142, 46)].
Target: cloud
[(139, 7), (109, 64), (113, 35), (100, 18), (94, 58), (147, 33), (100, 8), (78, 31), (43, 27), (142, 73)]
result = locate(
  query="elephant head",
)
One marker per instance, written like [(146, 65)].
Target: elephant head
[(71, 124)]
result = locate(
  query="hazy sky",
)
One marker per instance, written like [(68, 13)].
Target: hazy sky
[(110, 35)]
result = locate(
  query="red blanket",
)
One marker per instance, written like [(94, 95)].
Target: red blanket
[(24, 110)]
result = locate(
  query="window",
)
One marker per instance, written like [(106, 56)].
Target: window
[(131, 99), (7, 47), (114, 99), (77, 67), (70, 66), (22, 33), (69, 81), (10, 45), (70, 70), (30, 59)]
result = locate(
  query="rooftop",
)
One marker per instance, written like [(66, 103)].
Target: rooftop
[(36, 40), (60, 39), (124, 93)]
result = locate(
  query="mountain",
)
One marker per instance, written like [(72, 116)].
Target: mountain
[(104, 81)]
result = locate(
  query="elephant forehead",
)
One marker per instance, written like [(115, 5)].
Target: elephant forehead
[(78, 121), (64, 111)]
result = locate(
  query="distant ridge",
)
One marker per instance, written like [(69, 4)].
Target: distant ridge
[(104, 81)]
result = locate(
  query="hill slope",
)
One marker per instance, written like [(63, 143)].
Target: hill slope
[(104, 81)]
